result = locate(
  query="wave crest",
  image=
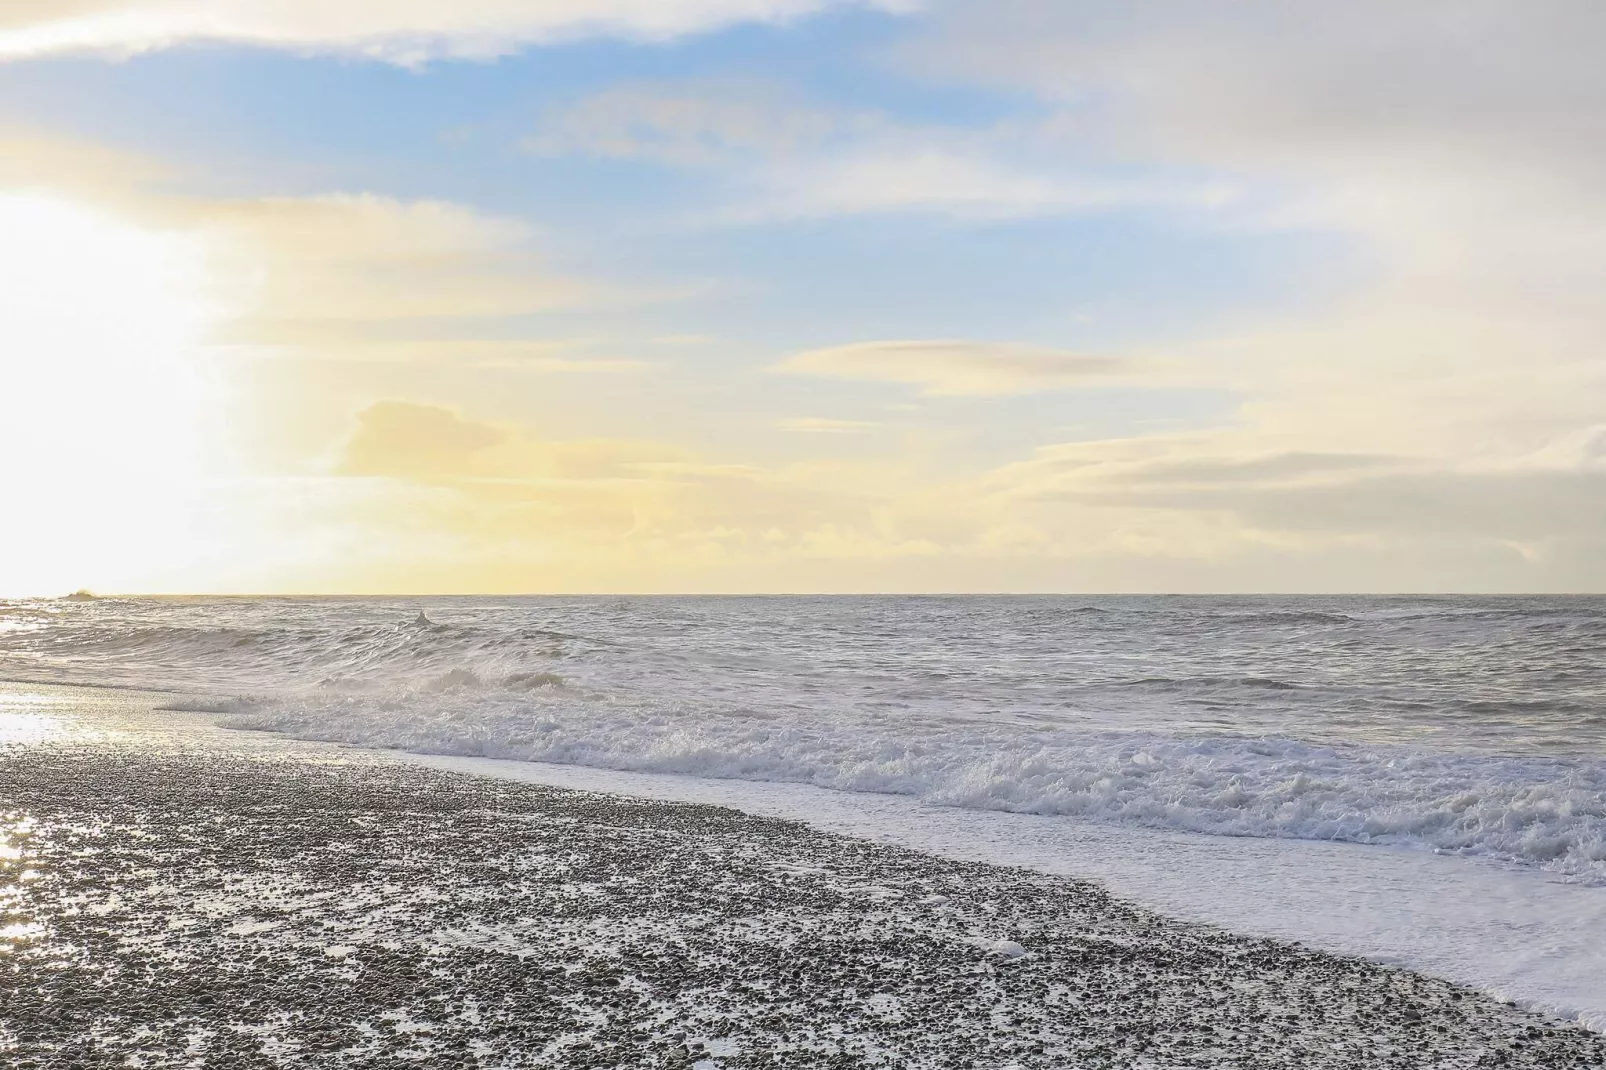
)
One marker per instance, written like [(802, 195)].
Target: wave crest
[(1541, 812)]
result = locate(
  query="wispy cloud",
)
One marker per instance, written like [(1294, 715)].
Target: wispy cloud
[(823, 425), (350, 276), (397, 31), (551, 356), (783, 156), (354, 258), (956, 367), (697, 123)]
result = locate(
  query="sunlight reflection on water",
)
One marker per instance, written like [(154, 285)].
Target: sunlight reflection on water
[(27, 719)]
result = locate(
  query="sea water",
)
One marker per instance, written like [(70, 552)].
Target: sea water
[(1426, 748)]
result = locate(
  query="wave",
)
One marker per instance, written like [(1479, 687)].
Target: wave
[(1537, 812), (1203, 685), (1292, 617), (273, 657), (1473, 726)]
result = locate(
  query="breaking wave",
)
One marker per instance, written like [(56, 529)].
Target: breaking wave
[(1468, 726), (1548, 813)]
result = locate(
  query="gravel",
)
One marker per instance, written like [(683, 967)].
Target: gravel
[(166, 908)]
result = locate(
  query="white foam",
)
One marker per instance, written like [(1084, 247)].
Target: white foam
[(1547, 813)]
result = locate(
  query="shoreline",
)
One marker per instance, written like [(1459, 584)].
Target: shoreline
[(276, 903), (1508, 933)]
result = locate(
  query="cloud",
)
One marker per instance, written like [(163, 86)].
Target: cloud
[(1321, 521), (429, 481), (1461, 147), (403, 438), (436, 444), (695, 123), (1348, 87), (32, 159), (782, 156), (308, 264), (942, 367), (341, 271), (1124, 470), (1273, 468), (972, 182), (389, 342), (821, 425), (1465, 140), (397, 31), (1510, 507), (1437, 506), (331, 270)]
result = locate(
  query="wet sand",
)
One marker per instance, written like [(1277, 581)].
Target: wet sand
[(173, 900)]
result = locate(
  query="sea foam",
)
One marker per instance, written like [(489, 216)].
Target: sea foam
[(1544, 812)]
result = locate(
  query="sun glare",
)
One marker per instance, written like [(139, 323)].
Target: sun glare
[(100, 397)]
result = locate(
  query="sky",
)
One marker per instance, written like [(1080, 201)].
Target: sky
[(507, 296)]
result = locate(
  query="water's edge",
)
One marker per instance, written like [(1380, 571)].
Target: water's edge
[(1537, 942)]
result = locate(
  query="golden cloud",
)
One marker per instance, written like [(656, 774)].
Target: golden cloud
[(401, 438)]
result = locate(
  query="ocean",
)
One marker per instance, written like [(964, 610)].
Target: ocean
[(1459, 725)]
